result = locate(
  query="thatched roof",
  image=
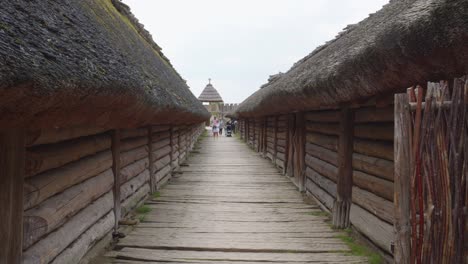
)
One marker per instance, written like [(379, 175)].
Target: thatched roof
[(210, 94), (69, 63), (405, 43)]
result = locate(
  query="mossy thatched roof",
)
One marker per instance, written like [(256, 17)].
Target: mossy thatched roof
[(69, 63), (405, 43)]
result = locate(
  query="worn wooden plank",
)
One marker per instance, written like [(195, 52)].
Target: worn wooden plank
[(12, 164), (402, 180), (227, 201)]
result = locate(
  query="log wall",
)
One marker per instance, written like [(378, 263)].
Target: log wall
[(80, 182), (371, 211)]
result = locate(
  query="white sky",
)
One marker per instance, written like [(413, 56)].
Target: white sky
[(238, 44)]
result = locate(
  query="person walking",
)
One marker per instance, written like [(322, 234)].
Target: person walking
[(221, 126), (215, 127)]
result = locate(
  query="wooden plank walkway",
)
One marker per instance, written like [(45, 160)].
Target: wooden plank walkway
[(229, 205)]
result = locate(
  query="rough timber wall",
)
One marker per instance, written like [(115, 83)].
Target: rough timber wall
[(70, 190), (372, 192)]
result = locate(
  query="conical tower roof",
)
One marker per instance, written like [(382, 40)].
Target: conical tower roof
[(210, 94)]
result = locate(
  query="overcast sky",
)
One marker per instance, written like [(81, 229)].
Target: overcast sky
[(238, 44)]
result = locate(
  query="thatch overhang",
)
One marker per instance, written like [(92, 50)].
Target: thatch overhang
[(405, 43), (210, 95), (72, 63)]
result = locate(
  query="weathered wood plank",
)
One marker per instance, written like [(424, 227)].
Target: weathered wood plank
[(12, 164), (402, 180)]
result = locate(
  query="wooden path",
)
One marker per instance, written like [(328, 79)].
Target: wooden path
[(229, 205)]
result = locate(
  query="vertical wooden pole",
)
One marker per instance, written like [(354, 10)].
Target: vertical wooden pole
[(150, 157), (12, 166), (275, 139), (299, 168), (402, 178), (265, 135), (290, 144), (116, 171), (171, 143), (342, 204)]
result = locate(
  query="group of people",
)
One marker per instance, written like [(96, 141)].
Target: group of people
[(217, 126)]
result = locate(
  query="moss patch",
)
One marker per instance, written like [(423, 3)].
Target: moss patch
[(358, 249), (144, 209), (156, 195), (319, 213)]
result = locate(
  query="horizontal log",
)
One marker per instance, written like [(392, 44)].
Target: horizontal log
[(280, 149), (128, 188), (132, 143), (378, 231), (281, 143), (45, 250), (161, 144), (47, 184), (378, 206), (375, 166), (133, 169), (280, 156), (382, 131), (55, 135), (161, 135), (131, 202), (323, 168), (160, 153), (325, 198), (326, 141), (281, 135), (160, 128), (380, 187), (323, 128), (321, 181), (323, 116), (86, 241), (46, 157), (161, 163), (279, 163), (54, 211), (379, 149), (270, 145), (133, 155), (374, 114), (322, 153), (269, 155), (133, 132)]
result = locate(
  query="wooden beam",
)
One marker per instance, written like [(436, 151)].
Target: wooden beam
[(300, 142), (152, 182), (275, 141), (402, 180), (342, 204), (12, 164), (116, 166)]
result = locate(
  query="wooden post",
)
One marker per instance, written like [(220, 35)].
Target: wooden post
[(116, 171), (402, 178), (342, 204), (300, 141), (290, 151), (12, 164), (150, 157), (265, 135), (275, 140), (171, 144)]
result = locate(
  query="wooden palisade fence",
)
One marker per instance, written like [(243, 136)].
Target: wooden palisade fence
[(431, 162)]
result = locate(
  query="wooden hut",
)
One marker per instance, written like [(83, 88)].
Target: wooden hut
[(336, 124), (93, 119)]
